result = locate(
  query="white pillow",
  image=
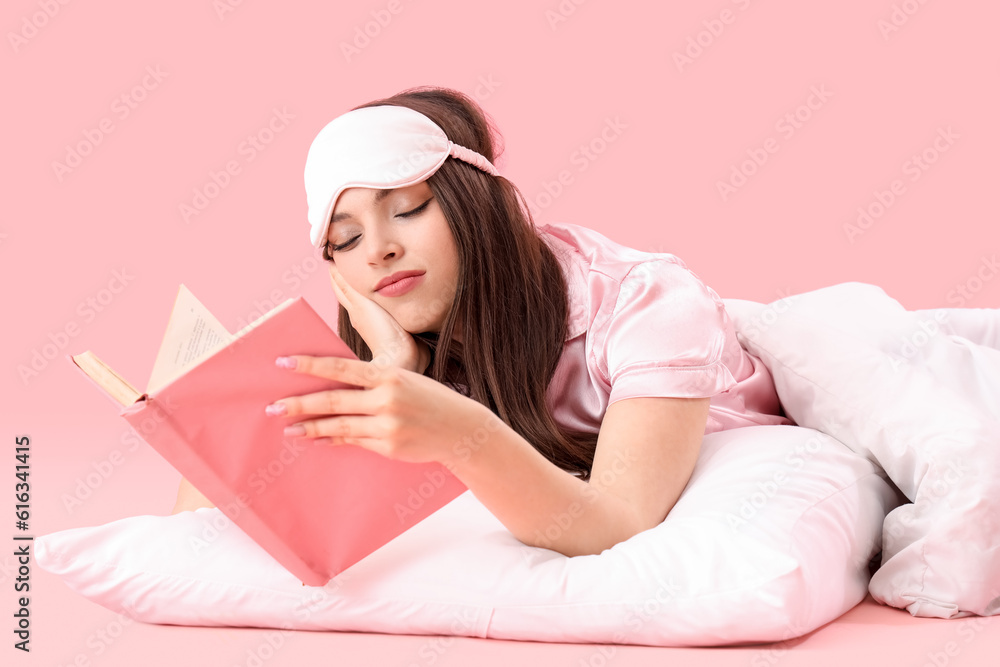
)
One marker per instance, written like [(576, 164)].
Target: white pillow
[(906, 390), (771, 539)]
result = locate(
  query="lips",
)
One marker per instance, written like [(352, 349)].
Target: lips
[(395, 277)]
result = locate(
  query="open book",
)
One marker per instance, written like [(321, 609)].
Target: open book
[(192, 334), (317, 509)]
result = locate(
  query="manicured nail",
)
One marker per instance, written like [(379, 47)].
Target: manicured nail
[(285, 362), (295, 429), (276, 409)]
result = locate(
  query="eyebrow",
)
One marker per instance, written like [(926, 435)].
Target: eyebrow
[(380, 194)]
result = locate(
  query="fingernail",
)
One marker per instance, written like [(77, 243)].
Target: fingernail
[(285, 362), (295, 429), (276, 409)]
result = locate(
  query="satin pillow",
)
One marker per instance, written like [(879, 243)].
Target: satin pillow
[(771, 539)]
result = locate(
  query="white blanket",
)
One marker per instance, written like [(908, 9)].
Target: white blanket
[(917, 392)]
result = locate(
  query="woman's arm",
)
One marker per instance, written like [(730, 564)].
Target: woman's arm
[(662, 438), (645, 453)]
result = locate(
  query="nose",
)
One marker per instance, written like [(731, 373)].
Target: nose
[(383, 246)]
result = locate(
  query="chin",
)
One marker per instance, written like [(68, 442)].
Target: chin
[(412, 324)]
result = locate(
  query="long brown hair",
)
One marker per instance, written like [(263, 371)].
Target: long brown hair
[(511, 299)]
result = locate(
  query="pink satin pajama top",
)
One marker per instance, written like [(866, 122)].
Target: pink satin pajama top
[(643, 324)]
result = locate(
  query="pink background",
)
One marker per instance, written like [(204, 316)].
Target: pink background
[(111, 230)]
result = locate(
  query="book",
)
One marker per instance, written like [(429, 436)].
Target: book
[(316, 509)]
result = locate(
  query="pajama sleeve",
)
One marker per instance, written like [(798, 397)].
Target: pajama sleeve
[(665, 336)]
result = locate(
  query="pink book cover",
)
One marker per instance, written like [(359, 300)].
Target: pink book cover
[(317, 509)]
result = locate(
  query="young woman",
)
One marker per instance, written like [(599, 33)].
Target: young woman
[(567, 380)]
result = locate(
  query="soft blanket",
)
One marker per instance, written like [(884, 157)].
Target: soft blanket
[(918, 393)]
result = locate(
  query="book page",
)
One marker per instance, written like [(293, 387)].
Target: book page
[(192, 333), (102, 374)]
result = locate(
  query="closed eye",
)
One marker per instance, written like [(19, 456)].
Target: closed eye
[(418, 210)]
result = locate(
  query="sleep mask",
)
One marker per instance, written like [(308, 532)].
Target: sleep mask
[(385, 146)]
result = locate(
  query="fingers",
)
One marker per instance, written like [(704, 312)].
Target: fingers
[(340, 286), (329, 402), (352, 416), (336, 428), (349, 371)]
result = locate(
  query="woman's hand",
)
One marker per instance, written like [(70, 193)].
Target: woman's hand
[(397, 413), (390, 343)]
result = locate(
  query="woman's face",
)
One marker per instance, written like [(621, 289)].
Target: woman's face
[(380, 232)]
